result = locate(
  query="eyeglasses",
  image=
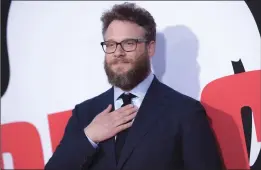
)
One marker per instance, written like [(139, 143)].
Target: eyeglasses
[(127, 45)]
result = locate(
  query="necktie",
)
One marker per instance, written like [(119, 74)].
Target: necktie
[(121, 136)]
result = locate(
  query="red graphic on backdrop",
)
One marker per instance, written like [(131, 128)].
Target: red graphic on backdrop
[(57, 124), (23, 142), (224, 99)]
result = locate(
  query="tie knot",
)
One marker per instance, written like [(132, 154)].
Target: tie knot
[(126, 98)]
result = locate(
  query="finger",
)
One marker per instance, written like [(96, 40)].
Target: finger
[(107, 110), (117, 115), (121, 109), (123, 127), (125, 119), (129, 111)]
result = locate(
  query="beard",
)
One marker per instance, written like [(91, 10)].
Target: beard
[(131, 78)]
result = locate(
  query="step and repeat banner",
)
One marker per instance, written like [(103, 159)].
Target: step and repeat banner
[(53, 61)]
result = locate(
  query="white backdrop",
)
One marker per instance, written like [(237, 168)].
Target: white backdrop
[(56, 60)]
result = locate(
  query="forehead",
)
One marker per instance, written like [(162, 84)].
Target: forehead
[(120, 30)]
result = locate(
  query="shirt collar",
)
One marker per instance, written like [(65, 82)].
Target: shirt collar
[(140, 90)]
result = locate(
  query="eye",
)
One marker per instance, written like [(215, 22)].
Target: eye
[(109, 44), (130, 42)]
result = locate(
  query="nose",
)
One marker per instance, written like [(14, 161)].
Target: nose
[(119, 52)]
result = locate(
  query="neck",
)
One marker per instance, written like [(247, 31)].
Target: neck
[(129, 89)]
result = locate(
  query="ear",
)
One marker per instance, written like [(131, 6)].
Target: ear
[(151, 48)]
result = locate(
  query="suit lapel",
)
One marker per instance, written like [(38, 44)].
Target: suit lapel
[(108, 146), (150, 110)]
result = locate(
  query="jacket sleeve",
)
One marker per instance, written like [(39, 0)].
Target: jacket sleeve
[(75, 150), (200, 148)]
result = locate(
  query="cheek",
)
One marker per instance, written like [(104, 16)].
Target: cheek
[(134, 55), (108, 58), (141, 50), (131, 56)]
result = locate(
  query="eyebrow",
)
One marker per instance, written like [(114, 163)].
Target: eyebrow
[(123, 39)]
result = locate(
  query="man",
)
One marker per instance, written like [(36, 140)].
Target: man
[(139, 123)]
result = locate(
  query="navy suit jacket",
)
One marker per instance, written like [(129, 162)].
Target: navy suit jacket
[(171, 131)]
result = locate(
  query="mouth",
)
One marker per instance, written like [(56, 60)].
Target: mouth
[(121, 63), (121, 66)]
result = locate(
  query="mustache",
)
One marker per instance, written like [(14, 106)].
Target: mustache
[(121, 60)]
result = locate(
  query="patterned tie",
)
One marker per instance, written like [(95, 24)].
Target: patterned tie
[(121, 136)]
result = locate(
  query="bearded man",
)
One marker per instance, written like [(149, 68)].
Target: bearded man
[(139, 123)]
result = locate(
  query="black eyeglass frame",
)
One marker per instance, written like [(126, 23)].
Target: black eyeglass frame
[(137, 40)]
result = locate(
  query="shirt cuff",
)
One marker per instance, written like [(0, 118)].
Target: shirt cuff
[(93, 143)]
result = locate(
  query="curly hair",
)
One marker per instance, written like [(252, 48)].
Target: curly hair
[(132, 13)]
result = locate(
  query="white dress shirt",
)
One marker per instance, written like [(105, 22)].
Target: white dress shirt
[(139, 91)]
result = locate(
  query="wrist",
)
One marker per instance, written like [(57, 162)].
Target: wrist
[(91, 137)]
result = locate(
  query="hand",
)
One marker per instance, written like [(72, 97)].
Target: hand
[(107, 124)]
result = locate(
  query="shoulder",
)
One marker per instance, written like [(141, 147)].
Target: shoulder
[(87, 104), (178, 100), (182, 107)]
